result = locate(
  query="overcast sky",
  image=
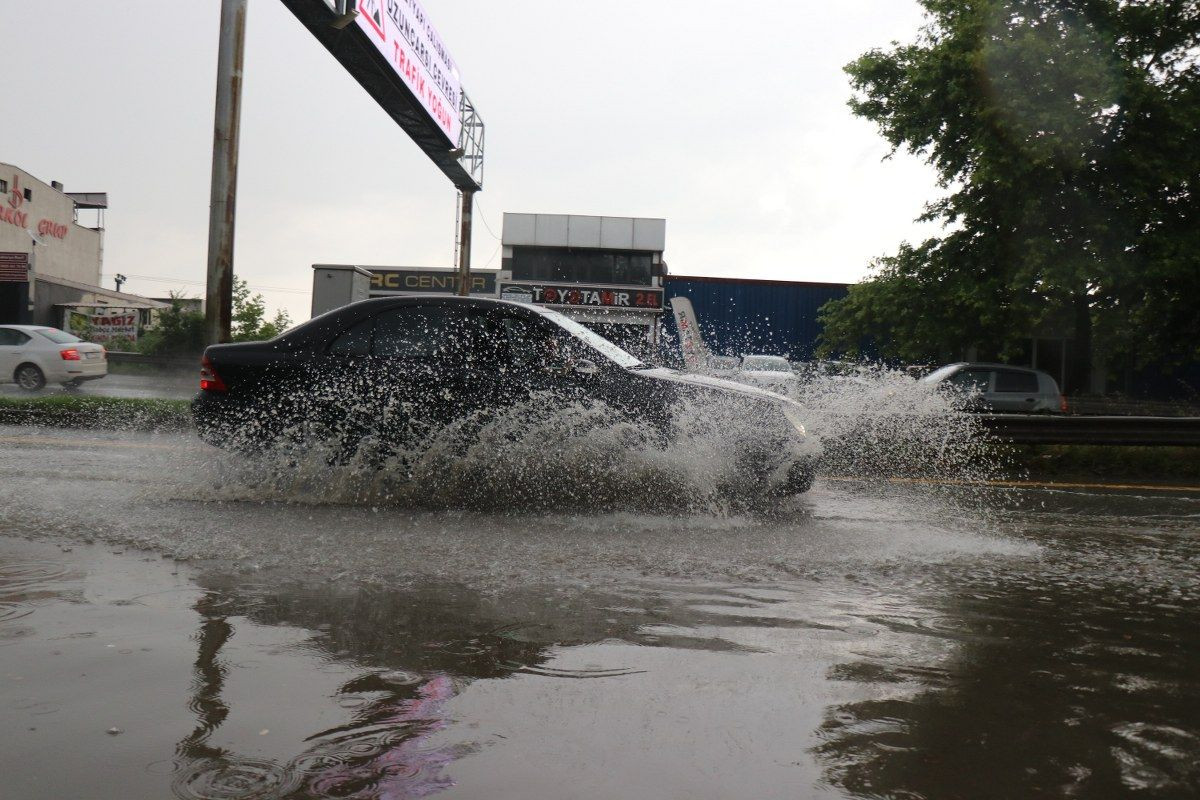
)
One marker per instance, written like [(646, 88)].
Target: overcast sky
[(728, 119)]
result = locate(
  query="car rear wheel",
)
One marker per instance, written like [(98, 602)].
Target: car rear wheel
[(30, 377)]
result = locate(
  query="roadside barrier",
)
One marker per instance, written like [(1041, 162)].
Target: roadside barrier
[(1053, 429), (166, 362)]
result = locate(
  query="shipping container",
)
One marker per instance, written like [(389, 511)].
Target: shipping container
[(754, 316)]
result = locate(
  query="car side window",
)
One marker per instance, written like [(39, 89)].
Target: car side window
[(971, 379), (433, 333), (1018, 382), (355, 341), (525, 342), (12, 338)]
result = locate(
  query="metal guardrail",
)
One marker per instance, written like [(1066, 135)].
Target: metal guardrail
[(1054, 429), (166, 362)]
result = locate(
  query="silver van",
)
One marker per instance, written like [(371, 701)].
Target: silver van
[(1000, 387)]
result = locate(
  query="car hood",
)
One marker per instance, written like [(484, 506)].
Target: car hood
[(709, 382)]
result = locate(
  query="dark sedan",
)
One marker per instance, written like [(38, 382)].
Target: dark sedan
[(398, 368)]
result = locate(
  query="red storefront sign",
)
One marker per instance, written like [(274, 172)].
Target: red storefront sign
[(642, 298), (13, 215)]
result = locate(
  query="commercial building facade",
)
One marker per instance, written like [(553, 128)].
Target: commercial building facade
[(50, 263), (605, 272)]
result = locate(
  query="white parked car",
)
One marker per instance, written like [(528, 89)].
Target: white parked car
[(1001, 387), (769, 372), (33, 355)]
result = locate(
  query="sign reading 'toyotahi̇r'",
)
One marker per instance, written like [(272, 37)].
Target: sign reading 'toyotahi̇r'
[(643, 298), (402, 32)]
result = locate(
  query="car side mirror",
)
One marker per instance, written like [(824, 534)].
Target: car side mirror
[(585, 367)]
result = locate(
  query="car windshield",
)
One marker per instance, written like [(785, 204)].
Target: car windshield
[(57, 336), (766, 363), (593, 340)]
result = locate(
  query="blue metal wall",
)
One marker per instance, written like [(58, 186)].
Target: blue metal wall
[(772, 317)]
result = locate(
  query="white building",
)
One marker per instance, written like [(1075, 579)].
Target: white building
[(605, 272), (49, 260)]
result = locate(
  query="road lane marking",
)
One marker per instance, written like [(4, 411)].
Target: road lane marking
[(1015, 484)]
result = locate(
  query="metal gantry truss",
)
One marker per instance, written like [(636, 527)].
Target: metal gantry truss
[(470, 139)]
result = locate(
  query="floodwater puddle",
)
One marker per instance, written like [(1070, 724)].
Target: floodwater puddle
[(847, 652)]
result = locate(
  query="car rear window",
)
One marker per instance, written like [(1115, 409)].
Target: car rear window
[(354, 342), (1008, 380), (11, 337), (57, 336)]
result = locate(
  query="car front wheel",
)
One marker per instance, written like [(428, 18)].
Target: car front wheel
[(30, 378)]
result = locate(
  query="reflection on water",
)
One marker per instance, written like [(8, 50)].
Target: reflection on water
[(859, 653), (1077, 676), (382, 750)]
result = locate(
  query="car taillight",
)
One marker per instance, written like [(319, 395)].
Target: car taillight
[(70, 354), (1062, 403), (209, 379)]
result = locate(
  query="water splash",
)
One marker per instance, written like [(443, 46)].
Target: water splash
[(540, 455), (873, 422)]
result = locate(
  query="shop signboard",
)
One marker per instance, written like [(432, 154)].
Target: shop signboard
[(14, 267), (385, 282), (104, 325), (579, 295)]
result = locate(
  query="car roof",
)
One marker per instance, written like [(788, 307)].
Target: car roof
[(352, 312), (994, 365), (997, 365)]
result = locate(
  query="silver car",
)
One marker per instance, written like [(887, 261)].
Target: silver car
[(1001, 387)]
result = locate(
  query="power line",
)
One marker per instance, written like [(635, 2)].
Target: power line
[(202, 283), (483, 217)]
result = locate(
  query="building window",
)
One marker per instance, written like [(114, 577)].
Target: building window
[(3, 187), (29, 194), (581, 266)]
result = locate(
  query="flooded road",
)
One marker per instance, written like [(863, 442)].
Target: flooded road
[(171, 627)]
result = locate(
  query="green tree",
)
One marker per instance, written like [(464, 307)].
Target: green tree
[(176, 331), (249, 312), (1065, 135)]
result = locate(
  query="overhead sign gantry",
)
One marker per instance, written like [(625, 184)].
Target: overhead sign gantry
[(392, 49)]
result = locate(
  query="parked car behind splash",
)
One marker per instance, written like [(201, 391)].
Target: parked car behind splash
[(33, 355), (390, 368), (769, 372), (1000, 387)]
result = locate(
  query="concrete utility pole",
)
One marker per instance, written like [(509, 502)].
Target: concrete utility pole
[(218, 303), (464, 238)]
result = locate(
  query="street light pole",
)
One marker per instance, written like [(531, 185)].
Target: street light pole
[(218, 304)]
